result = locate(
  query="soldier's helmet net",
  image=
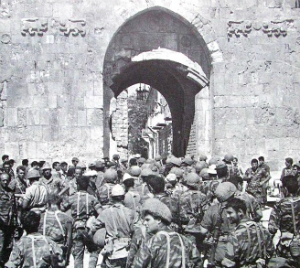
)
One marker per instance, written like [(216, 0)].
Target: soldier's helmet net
[(110, 175), (224, 191), (192, 179), (157, 209)]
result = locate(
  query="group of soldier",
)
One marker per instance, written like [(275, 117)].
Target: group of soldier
[(160, 213)]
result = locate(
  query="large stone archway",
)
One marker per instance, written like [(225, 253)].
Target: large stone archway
[(148, 30)]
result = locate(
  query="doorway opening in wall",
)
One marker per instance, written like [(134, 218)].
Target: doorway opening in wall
[(159, 48), (147, 114)]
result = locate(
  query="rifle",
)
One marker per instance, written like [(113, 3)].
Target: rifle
[(216, 236), (66, 248)]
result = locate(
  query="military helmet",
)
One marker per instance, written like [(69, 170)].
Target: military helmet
[(157, 208), (192, 179), (110, 175), (33, 174), (117, 190), (225, 190)]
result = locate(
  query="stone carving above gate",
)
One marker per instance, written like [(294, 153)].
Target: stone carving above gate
[(34, 26), (271, 28), (73, 27), (39, 26)]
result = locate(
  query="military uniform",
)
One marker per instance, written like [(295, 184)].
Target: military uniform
[(104, 193), (215, 218), (118, 222), (54, 225), (138, 241), (132, 200), (52, 184), (30, 250), (193, 204), (254, 211), (83, 206), (249, 242), (167, 249), (281, 218), (36, 195), (254, 186), (6, 230), (18, 186)]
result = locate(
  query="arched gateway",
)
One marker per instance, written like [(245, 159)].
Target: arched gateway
[(159, 48)]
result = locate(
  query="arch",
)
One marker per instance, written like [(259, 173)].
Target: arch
[(146, 31)]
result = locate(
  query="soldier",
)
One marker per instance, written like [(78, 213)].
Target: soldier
[(262, 164), (285, 218), (251, 242), (19, 185), (110, 178), (156, 185), (6, 228), (34, 249), (132, 197), (257, 179), (57, 225), (216, 225), (193, 203), (35, 197), (7, 169), (143, 189), (56, 170), (82, 205), (165, 248), (254, 211), (51, 183), (118, 222), (288, 170), (100, 168)]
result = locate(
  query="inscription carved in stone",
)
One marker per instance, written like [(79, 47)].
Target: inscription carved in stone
[(73, 27), (33, 26), (272, 28)]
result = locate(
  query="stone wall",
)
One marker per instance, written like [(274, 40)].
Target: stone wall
[(53, 105)]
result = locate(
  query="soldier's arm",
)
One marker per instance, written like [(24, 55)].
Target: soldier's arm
[(273, 225), (135, 244), (27, 197), (232, 252), (143, 257), (257, 211), (16, 257), (97, 206)]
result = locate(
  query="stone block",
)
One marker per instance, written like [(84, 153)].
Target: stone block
[(55, 88), (94, 117), (12, 149), (272, 144), (96, 133), (11, 117), (44, 117), (62, 10), (82, 118), (36, 133), (93, 102), (33, 116), (40, 102), (5, 25)]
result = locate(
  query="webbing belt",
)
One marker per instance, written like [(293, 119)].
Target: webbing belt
[(86, 203), (57, 219), (33, 248)]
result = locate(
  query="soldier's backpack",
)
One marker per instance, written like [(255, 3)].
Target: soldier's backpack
[(183, 254), (295, 243), (261, 243)]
